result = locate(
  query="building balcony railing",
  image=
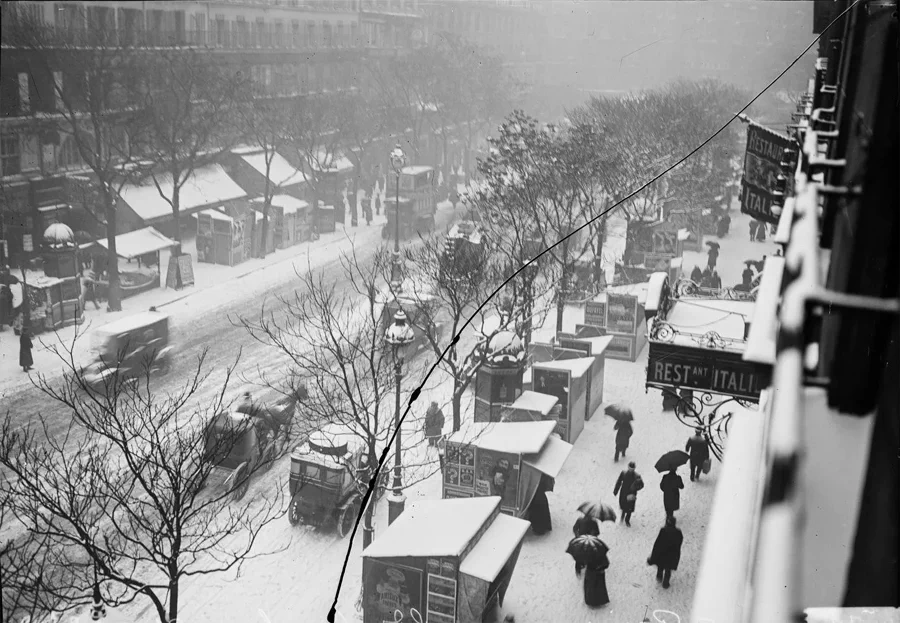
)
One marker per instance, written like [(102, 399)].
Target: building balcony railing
[(50, 36)]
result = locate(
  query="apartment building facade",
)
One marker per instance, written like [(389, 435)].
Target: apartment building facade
[(293, 47)]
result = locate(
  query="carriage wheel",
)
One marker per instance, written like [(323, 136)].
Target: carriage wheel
[(241, 482), (294, 510), (347, 518)]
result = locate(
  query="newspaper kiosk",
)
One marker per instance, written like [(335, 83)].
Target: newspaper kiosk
[(441, 561), (506, 459)]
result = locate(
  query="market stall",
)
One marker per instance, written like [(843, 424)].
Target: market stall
[(441, 561), (142, 247), (507, 459), (52, 302), (220, 238), (292, 224), (568, 380), (619, 312), (258, 243), (532, 407)]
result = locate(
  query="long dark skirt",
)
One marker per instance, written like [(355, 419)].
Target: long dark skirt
[(595, 587), (539, 513)]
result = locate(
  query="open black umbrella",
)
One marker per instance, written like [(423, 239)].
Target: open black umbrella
[(671, 460), (619, 412), (587, 550), (598, 510), (710, 243)]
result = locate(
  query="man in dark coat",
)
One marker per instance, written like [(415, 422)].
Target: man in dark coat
[(747, 278), (666, 553), (539, 509), (25, 347), (712, 256), (716, 280), (627, 486), (624, 431), (761, 232), (698, 449), (696, 275), (753, 226), (434, 423), (670, 485)]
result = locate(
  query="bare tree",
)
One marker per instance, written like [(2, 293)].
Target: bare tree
[(80, 80), (118, 504), (333, 333), (188, 112)]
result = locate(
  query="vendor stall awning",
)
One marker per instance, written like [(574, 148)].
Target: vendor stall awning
[(764, 323), (551, 458), (578, 367), (494, 548), (281, 172), (207, 186), (330, 163), (433, 528), (140, 242), (535, 401), (289, 204), (512, 437)]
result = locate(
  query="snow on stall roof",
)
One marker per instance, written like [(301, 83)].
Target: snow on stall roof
[(281, 172), (433, 528), (333, 163), (207, 185), (217, 216), (535, 401), (578, 367), (289, 204), (139, 242), (494, 548), (552, 456), (631, 289), (654, 290), (598, 344), (129, 323), (512, 437)]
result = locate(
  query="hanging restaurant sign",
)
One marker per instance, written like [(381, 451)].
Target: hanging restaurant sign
[(762, 165), (715, 371)]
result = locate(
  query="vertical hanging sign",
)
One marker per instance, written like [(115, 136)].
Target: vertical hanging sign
[(762, 165)]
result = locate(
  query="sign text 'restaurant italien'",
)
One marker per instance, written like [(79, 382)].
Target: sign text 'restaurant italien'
[(720, 372)]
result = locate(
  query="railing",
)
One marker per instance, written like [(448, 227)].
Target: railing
[(51, 36)]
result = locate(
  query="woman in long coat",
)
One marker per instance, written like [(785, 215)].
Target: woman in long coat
[(539, 509), (623, 436), (434, 423), (25, 347), (666, 553), (584, 525), (595, 593), (670, 485)]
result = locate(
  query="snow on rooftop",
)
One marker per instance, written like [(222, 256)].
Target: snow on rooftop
[(281, 172), (288, 203), (578, 367), (551, 458), (207, 186), (535, 401), (433, 528), (512, 437), (416, 169), (494, 548), (764, 320)]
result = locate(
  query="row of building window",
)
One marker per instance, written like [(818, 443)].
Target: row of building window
[(19, 153)]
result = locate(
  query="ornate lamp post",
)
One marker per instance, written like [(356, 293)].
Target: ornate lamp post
[(398, 336), (398, 161)]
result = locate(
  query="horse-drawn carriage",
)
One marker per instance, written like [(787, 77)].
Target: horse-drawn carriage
[(329, 475), (247, 439)]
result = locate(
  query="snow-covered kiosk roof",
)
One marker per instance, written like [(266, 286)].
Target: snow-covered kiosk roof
[(535, 401), (434, 528), (551, 458), (512, 437), (578, 367), (493, 549)]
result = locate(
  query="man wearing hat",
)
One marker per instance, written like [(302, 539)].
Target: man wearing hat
[(627, 486), (698, 449)]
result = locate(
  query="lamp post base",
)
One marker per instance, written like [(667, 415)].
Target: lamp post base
[(368, 536), (396, 504)]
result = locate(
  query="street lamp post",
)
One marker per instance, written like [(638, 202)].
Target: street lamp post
[(398, 161), (398, 336)]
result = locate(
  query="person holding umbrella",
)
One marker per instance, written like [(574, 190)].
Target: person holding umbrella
[(584, 525), (627, 486), (623, 428), (712, 256), (591, 553), (671, 483), (666, 553), (697, 448)]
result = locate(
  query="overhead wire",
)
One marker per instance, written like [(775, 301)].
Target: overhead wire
[(415, 394)]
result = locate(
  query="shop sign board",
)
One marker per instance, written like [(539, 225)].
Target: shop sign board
[(621, 313), (595, 313), (390, 588), (762, 166), (498, 474), (718, 372)]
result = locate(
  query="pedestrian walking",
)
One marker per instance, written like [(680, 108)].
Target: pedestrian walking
[(584, 525), (706, 279), (747, 278), (434, 423), (761, 232), (377, 202), (627, 486), (696, 275), (6, 306), (753, 226), (88, 282), (624, 431), (25, 347), (698, 448), (666, 553), (712, 256), (724, 225), (671, 485), (595, 593), (539, 509), (716, 280)]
